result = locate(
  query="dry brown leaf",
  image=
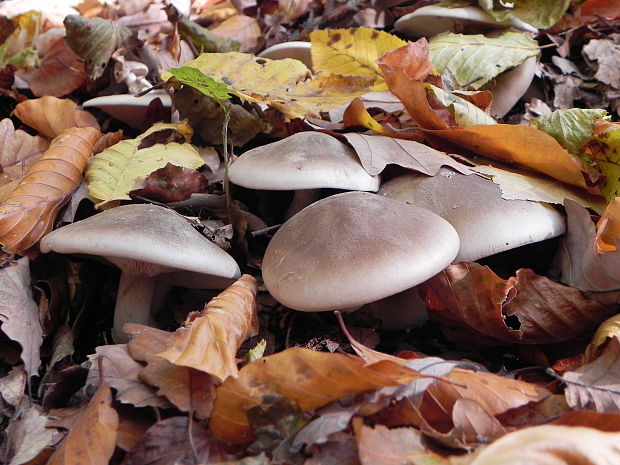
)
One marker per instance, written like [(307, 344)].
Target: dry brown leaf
[(375, 152), (243, 29), (92, 438), (310, 379), (29, 212), (18, 149), (51, 116), (27, 436), (475, 306), (473, 424), (122, 373), (596, 385), (596, 420), (209, 343), (608, 228), (552, 445)]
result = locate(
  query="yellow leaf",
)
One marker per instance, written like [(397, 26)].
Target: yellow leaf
[(352, 52), (608, 329), (608, 227), (286, 85), (118, 170)]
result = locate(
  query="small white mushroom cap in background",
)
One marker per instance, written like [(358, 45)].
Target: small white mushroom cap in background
[(143, 241), (305, 160), (486, 223), (354, 248), (296, 49)]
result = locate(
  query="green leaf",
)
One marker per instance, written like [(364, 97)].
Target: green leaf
[(571, 128), (465, 113), (119, 169), (474, 60), (198, 80), (257, 352), (541, 14)]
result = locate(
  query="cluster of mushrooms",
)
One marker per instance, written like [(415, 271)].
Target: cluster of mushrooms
[(371, 242)]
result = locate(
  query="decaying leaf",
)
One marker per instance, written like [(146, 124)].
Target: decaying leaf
[(19, 313), (608, 227), (473, 60), (205, 40), (209, 343), (596, 385), (172, 184), (604, 148), (474, 303), (29, 212), (352, 52), (120, 169), (464, 112), (27, 436), (93, 436), (242, 29), (608, 329), (538, 14), (18, 149), (51, 116), (95, 40)]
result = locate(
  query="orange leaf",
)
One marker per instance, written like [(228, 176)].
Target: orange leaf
[(92, 438), (608, 227), (310, 379), (51, 116), (527, 147), (210, 342), (29, 212)]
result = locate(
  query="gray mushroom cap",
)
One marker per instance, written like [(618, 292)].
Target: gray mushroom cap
[(486, 223), (305, 160), (353, 248)]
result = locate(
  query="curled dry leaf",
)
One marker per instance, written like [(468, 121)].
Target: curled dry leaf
[(172, 184), (476, 306), (93, 436), (311, 379), (608, 329), (51, 116), (18, 149), (596, 385), (27, 435), (29, 212), (209, 343)]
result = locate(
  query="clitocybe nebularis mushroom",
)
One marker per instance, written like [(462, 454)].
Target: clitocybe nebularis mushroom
[(143, 241), (486, 223), (353, 248), (304, 163)]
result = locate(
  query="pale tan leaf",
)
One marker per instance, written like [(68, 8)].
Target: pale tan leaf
[(18, 149)]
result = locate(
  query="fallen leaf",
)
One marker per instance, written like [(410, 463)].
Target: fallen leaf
[(352, 52), (175, 440), (376, 152), (119, 169), (603, 147), (172, 184), (204, 40), (122, 373), (285, 85), (524, 146), (27, 435), (596, 385), (209, 343), (242, 29), (605, 52), (19, 313), (30, 211), (357, 115), (313, 379), (52, 116), (608, 227), (580, 264), (463, 111), (473, 424), (18, 149), (537, 14), (473, 60), (93, 436), (472, 302), (383, 446), (14, 385), (95, 40), (608, 329), (552, 445), (606, 8)]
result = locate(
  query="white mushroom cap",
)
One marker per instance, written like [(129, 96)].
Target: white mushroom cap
[(143, 241), (305, 160), (128, 108), (486, 223), (296, 49), (353, 248), (433, 19)]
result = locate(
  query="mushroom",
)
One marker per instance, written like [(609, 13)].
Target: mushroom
[(303, 162), (296, 49), (354, 248), (128, 108), (486, 223), (143, 241)]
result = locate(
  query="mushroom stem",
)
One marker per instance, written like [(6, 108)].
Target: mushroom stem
[(133, 303), (301, 199)]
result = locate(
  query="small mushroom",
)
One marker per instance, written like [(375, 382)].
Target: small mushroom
[(128, 108), (354, 248), (303, 162), (144, 241), (296, 49), (486, 223)]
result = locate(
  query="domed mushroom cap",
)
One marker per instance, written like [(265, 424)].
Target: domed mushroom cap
[(354, 248), (305, 160), (486, 223), (294, 49), (143, 233)]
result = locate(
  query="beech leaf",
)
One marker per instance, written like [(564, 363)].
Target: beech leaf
[(538, 14), (604, 148), (27, 435), (209, 343), (473, 60), (30, 211), (206, 84), (120, 169), (18, 149)]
